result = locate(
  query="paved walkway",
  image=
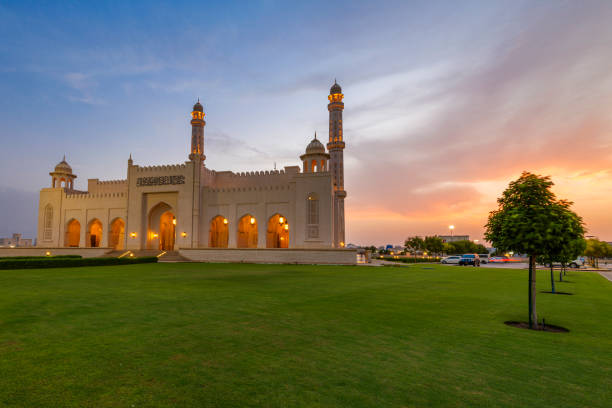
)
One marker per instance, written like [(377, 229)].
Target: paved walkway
[(607, 275)]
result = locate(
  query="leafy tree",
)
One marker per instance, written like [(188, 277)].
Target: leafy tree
[(434, 245), (414, 244), (572, 251), (528, 221), (465, 247), (596, 249), (567, 229)]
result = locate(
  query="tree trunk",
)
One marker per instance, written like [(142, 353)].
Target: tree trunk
[(533, 316), (561, 274), (552, 278)]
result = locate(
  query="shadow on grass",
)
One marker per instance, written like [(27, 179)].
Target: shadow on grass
[(541, 327), (556, 293)]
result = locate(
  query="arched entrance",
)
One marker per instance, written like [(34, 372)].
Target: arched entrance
[(73, 233), (167, 227), (94, 233), (117, 234), (161, 232), (219, 234), (247, 232), (278, 232)]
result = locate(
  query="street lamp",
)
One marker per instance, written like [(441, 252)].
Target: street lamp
[(451, 228)]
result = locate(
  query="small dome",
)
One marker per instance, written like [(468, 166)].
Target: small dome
[(315, 146), (198, 107), (63, 167), (335, 89)]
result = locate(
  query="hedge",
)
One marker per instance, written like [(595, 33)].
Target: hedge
[(410, 260), (40, 257), (50, 262)]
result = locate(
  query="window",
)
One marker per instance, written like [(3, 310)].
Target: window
[(48, 223), (312, 215)]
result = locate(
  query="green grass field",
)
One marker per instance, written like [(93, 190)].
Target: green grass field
[(207, 335)]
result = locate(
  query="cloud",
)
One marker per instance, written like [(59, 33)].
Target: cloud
[(539, 101)]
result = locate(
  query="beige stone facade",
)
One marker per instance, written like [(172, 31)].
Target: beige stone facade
[(190, 206)]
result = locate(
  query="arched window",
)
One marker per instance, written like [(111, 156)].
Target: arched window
[(312, 215), (48, 223)]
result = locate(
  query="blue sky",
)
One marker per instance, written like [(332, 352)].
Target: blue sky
[(426, 84)]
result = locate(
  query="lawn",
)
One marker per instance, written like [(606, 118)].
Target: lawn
[(211, 335)]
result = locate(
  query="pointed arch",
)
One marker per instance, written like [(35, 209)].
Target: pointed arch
[(278, 232), (73, 233), (218, 236), (247, 232), (116, 237), (94, 233)]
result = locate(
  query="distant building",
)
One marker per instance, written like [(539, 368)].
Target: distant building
[(15, 241), (453, 238)]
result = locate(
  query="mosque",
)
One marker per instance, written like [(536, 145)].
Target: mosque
[(191, 206)]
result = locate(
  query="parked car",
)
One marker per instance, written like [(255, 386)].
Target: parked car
[(453, 259), (499, 259), (469, 259), (484, 258), (576, 263)]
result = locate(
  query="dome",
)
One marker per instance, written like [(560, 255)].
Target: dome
[(63, 167), (198, 107), (315, 146), (335, 89)]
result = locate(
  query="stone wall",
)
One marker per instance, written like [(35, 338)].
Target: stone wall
[(269, 255), (84, 252)]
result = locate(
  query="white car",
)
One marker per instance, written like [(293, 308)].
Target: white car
[(453, 259)]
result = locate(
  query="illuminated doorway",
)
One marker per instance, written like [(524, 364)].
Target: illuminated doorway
[(117, 234), (73, 234), (167, 227), (94, 233), (247, 232), (278, 232), (218, 236)]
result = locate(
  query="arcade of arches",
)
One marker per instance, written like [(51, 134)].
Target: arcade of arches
[(73, 233), (94, 234), (278, 232), (219, 233), (247, 232)]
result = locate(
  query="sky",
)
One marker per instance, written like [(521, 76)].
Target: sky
[(445, 102)]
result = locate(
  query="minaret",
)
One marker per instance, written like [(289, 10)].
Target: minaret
[(336, 161), (197, 132)]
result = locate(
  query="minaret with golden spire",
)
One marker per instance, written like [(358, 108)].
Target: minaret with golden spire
[(197, 132), (335, 146)]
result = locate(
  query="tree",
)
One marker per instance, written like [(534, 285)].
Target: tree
[(568, 230), (434, 244), (528, 221), (414, 244), (465, 247), (596, 249), (572, 251)]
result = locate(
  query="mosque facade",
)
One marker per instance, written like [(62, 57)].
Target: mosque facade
[(191, 206)]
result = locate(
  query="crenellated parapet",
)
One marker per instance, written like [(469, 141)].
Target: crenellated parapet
[(95, 186), (250, 179), (162, 168), (83, 195), (250, 188)]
